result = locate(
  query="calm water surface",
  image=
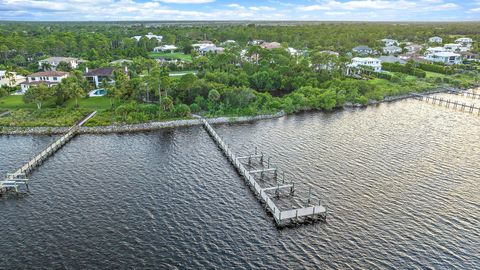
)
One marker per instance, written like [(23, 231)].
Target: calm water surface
[(400, 180)]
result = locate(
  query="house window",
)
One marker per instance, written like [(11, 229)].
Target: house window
[(55, 78)]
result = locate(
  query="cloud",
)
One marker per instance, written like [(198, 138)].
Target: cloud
[(186, 1), (433, 5)]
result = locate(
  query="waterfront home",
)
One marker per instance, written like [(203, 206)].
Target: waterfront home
[(97, 93), (362, 62), (392, 50), (435, 40), (363, 50), (165, 48), (448, 58), (271, 45), (204, 48), (10, 79), (469, 56), (51, 63), (392, 59), (149, 36), (49, 78), (98, 75), (467, 42), (389, 42)]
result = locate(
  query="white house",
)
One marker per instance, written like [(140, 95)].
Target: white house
[(271, 45), (467, 42), (390, 42), (392, 50), (436, 50), (49, 78), (435, 40), (294, 52), (165, 48), (53, 62), (448, 58), (149, 36), (204, 48), (359, 62), (10, 79)]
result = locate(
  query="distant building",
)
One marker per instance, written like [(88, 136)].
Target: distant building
[(149, 36), (435, 40), (98, 75), (436, 50), (330, 52), (392, 50), (467, 42), (363, 50), (413, 48), (256, 42), (271, 45), (360, 62), (392, 59), (389, 42), (165, 48), (448, 58), (10, 79), (52, 62), (49, 78), (204, 48)]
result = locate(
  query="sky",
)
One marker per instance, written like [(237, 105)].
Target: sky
[(312, 10)]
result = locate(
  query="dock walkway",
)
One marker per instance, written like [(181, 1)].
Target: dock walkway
[(13, 181), (449, 103), (281, 217)]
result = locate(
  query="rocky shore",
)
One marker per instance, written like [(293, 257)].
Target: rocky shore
[(134, 127)]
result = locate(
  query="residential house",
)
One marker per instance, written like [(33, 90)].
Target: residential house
[(149, 36), (49, 78), (467, 42), (361, 62), (271, 45), (390, 42), (294, 52), (256, 42), (10, 79), (392, 50), (98, 75), (330, 52), (413, 48), (363, 50), (392, 59), (51, 63), (469, 56), (207, 47), (448, 58), (435, 50), (165, 48), (435, 40)]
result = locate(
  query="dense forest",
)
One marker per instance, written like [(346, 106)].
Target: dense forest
[(223, 84)]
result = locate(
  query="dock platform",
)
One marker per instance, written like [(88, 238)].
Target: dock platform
[(253, 178)]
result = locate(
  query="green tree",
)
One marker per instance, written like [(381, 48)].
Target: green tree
[(38, 95)]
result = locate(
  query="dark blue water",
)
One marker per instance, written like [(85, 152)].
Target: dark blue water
[(400, 181)]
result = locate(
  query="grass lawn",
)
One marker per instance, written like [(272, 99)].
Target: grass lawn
[(15, 102), (94, 103), (177, 55), (434, 74)]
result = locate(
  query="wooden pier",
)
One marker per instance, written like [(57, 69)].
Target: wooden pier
[(15, 181), (473, 94), (267, 194), (449, 103)]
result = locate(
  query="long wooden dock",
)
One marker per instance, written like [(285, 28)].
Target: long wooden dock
[(14, 181), (252, 178), (470, 94), (449, 103)]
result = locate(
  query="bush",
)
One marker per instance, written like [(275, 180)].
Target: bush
[(436, 68), (181, 110)]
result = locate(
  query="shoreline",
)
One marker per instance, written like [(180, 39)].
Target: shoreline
[(151, 126)]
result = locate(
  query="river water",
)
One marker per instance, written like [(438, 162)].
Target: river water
[(400, 181)]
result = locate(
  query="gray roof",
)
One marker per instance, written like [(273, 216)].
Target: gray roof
[(362, 48), (392, 59)]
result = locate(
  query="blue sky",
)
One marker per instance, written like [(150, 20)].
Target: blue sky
[(324, 10)]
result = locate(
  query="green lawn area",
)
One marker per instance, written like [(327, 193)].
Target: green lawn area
[(177, 55), (94, 103), (15, 102), (434, 74)]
